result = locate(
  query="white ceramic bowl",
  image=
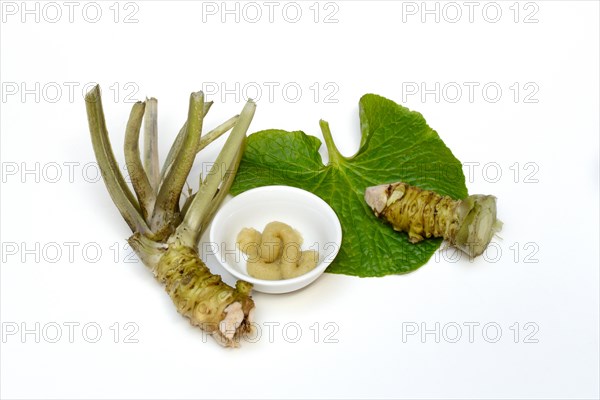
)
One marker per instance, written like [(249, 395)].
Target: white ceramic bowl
[(309, 214)]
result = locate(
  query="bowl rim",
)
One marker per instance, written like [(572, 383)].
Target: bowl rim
[(309, 276)]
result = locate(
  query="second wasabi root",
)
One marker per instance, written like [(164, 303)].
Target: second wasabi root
[(467, 224)]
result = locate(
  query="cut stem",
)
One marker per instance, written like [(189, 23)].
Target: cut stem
[(216, 133), (186, 204), (176, 147), (139, 180), (151, 144), (203, 204), (117, 188), (167, 200), (207, 139), (223, 189)]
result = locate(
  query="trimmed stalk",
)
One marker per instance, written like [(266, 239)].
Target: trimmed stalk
[(186, 204), (117, 188), (207, 139), (167, 200), (139, 179), (216, 133), (221, 192), (151, 144), (195, 219), (468, 224), (223, 189), (176, 146)]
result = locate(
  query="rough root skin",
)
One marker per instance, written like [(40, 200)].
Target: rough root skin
[(203, 297), (468, 224)]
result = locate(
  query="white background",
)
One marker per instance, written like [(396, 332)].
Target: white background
[(544, 271)]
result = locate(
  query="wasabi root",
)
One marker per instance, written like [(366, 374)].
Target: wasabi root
[(467, 224), (166, 237)]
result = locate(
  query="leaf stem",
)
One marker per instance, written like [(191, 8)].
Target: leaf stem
[(139, 179), (205, 140), (176, 146), (216, 133), (223, 189), (207, 200), (334, 155), (151, 143), (117, 188), (169, 193)]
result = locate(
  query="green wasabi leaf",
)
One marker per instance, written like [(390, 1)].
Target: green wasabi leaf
[(396, 145)]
